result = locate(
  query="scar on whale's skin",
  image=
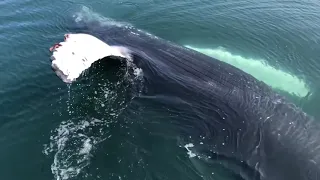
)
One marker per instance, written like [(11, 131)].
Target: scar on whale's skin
[(66, 36)]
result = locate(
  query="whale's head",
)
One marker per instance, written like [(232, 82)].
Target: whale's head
[(77, 53)]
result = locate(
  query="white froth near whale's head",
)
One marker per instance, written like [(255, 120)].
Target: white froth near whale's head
[(77, 53)]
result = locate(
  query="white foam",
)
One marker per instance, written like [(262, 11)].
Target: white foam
[(87, 146), (259, 69), (87, 15), (71, 148), (138, 72), (190, 153), (77, 53)]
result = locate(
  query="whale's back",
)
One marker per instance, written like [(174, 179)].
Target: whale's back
[(267, 131), (241, 116)]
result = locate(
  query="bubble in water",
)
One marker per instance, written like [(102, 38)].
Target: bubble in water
[(69, 99)]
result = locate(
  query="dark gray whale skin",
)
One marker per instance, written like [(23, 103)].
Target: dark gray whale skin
[(240, 117)]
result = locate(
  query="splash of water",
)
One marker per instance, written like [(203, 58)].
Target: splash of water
[(190, 153), (69, 99), (72, 146), (87, 15)]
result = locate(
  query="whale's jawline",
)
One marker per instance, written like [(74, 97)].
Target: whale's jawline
[(78, 52)]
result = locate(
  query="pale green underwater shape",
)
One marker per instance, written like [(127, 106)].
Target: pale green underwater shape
[(275, 78)]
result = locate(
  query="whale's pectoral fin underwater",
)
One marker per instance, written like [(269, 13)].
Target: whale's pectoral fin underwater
[(77, 53)]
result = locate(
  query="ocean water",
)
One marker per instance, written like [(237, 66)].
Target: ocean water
[(49, 130)]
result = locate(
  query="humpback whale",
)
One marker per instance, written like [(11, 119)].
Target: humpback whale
[(236, 116)]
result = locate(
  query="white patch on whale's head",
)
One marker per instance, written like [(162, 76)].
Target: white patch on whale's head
[(77, 53)]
